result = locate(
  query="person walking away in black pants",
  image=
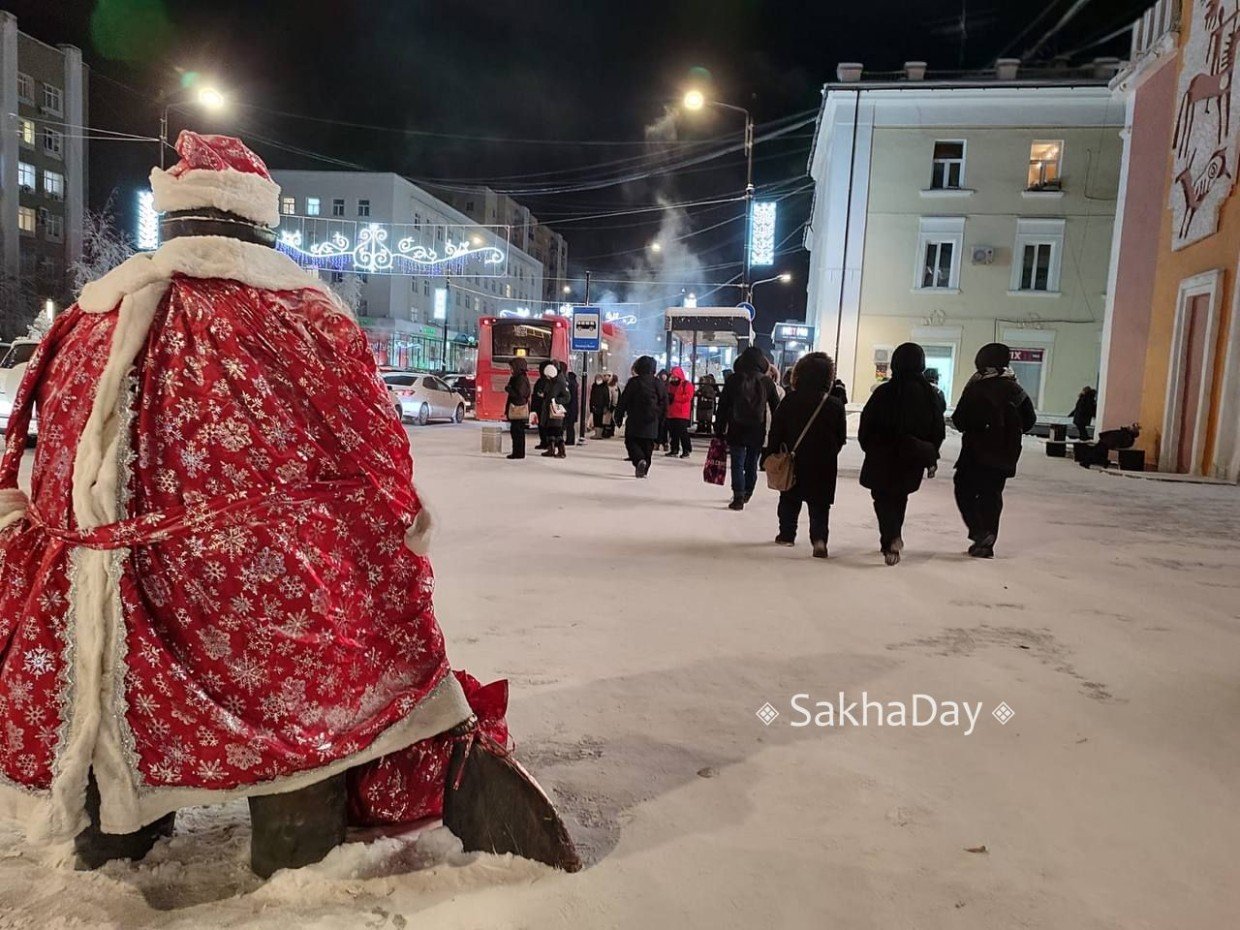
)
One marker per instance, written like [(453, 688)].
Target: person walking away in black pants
[(518, 396), (643, 403), (661, 439), (810, 414), (745, 406), (613, 391), (901, 432), (679, 412), (1084, 412), (537, 401), (932, 375), (574, 408), (993, 414), (554, 409)]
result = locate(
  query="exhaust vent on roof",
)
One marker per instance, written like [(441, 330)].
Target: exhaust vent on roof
[(1006, 69), (849, 72)]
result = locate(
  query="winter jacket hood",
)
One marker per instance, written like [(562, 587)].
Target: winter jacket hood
[(679, 396), (645, 366), (751, 362), (994, 355), (908, 359)]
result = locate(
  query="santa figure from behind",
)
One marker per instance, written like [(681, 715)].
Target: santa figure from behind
[(217, 586)]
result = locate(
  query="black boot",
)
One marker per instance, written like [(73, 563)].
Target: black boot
[(94, 847), (298, 828), (560, 452)]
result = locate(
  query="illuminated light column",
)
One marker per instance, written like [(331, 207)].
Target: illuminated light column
[(148, 222), (762, 233)]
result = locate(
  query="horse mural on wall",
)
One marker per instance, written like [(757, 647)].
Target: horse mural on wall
[(1206, 133)]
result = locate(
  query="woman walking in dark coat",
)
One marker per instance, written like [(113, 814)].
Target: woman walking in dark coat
[(574, 408), (808, 403), (600, 404), (644, 404), (745, 407), (538, 400), (1084, 412), (518, 391), (993, 413), (901, 432), (556, 398)]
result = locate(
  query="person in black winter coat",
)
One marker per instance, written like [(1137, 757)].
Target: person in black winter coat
[(901, 433), (993, 413), (538, 399), (574, 408), (932, 375), (1084, 412), (556, 397), (747, 403), (643, 404), (707, 398), (600, 403), (518, 395), (839, 391), (809, 403)]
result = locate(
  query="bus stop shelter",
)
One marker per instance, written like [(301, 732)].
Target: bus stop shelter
[(695, 333)]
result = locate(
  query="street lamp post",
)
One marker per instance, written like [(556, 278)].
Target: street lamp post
[(696, 100), (208, 98)]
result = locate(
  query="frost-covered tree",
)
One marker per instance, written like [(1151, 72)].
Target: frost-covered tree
[(104, 246), (349, 290), (17, 306)]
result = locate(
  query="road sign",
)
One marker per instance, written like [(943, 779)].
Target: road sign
[(587, 329), (748, 308)]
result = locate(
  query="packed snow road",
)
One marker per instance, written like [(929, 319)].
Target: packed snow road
[(642, 626)]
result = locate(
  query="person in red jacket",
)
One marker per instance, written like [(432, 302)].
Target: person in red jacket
[(679, 412)]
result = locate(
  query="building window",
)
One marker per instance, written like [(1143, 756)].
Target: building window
[(337, 277), (948, 173), (312, 206), (1045, 159), (53, 100), (469, 206), (288, 205), (53, 227), (426, 288), (53, 143), (337, 208), (1039, 256), (25, 88), (940, 241), (25, 128), (363, 208), (27, 177), (54, 185), (25, 220)]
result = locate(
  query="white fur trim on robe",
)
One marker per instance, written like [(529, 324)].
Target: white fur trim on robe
[(13, 504)]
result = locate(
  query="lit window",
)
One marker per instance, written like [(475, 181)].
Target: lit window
[(27, 177), (25, 220), (53, 143), (26, 131), (1038, 251), (312, 206), (53, 100), (288, 205), (363, 208), (948, 173), (54, 185), (337, 208), (54, 227), (1044, 165), (25, 88)]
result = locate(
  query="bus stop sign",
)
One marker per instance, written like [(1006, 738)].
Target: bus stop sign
[(587, 329)]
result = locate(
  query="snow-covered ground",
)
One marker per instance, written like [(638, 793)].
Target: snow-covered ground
[(642, 625)]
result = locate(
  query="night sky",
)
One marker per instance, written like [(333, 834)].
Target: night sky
[(569, 86)]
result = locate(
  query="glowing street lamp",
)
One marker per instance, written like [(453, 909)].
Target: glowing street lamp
[(785, 278), (656, 247), (208, 97), (695, 100)]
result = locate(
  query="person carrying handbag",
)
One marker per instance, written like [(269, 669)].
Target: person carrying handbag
[(901, 432), (557, 397), (808, 431), (517, 406)]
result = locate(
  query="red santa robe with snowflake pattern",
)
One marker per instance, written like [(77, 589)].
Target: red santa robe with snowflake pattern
[(209, 593)]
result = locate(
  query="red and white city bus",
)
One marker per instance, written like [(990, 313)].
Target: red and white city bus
[(500, 340)]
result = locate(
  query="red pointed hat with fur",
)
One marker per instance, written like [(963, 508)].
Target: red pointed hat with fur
[(217, 172)]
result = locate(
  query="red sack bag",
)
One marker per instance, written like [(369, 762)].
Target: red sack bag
[(408, 785), (715, 471)]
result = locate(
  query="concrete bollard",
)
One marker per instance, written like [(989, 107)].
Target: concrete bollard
[(492, 439)]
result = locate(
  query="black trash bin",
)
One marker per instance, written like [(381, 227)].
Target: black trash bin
[(1132, 459), (1059, 432), (1081, 452), (1057, 450)]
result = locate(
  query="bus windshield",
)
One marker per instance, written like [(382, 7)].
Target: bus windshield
[(513, 339)]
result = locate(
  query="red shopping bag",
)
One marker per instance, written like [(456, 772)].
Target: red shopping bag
[(715, 471)]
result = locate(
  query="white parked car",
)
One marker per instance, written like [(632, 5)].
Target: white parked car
[(12, 370), (425, 397)]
